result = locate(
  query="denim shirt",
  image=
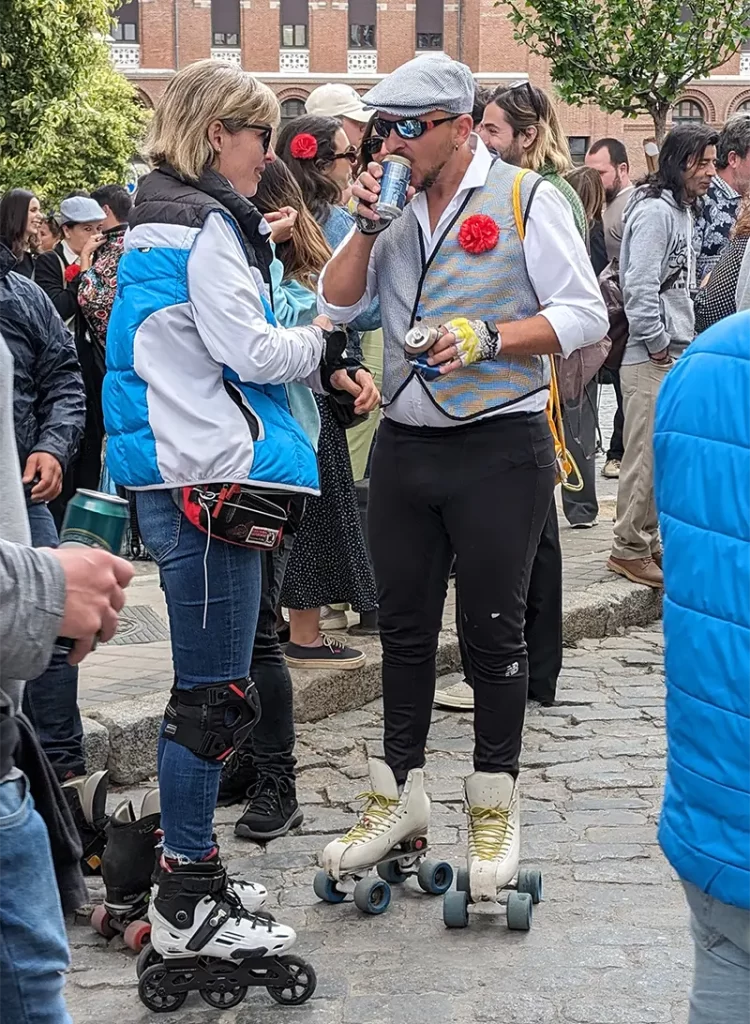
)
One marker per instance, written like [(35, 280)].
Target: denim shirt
[(336, 227)]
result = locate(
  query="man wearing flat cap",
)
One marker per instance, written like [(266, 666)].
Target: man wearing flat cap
[(464, 465)]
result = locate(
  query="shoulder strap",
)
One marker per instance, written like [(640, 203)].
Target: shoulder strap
[(522, 216)]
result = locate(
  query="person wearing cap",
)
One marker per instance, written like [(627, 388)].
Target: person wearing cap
[(58, 273), (464, 463), (338, 100)]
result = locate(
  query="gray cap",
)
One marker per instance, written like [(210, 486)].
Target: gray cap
[(81, 210), (429, 82)]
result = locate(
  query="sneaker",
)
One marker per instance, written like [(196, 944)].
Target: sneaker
[(584, 526), (459, 697), (332, 653), (332, 618), (638, 570), (238, 777), (611, 469), (272, 811)]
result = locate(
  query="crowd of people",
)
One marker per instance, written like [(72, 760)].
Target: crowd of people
[(226, 349)]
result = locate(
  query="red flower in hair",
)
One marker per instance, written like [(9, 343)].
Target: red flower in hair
[(478, 233), (304, 147), (72, 272)]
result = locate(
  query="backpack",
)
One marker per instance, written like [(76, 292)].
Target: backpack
[(619, 329)]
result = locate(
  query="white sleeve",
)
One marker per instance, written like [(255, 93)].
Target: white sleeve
[(345, 314), (561, 273), (225, 298)]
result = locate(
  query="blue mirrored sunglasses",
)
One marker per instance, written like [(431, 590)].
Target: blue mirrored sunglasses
[(408, 128)]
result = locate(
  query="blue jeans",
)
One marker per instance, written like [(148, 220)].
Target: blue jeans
[(721, 979), (51, 700), (218, 652), (33, 945)]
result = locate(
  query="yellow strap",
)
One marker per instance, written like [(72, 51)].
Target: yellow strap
[(517, 208)]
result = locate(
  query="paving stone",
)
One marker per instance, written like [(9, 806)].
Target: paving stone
[(624, 872), (591, 853), (622, 834), (600, 1011)]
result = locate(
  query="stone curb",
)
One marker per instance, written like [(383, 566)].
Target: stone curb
[(123, 735)]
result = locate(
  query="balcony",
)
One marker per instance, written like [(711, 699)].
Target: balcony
[(745, 64), (125, 56), (295, 61), (362, 62), (229, 54)]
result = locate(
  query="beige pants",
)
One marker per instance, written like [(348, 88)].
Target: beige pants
[(637, 525)]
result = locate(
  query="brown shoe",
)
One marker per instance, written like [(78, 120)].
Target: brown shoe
[(657, 557), (638, 570)]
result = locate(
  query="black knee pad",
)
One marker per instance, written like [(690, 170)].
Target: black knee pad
[(211, 721)]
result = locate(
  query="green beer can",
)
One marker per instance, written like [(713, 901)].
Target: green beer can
[(95, 520)]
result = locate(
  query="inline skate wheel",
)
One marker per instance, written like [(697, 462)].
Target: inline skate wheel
[(223, 998), (435, 876), (325, 888), (530, 881), (137, 935), (372, 895), (463, 880), (519, 911), (152, 992), (301, 984), (148, 957), (456, 909), (102, 922), (390, 871)]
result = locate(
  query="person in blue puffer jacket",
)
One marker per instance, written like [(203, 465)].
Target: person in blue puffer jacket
[(702, 486), (193, 394)]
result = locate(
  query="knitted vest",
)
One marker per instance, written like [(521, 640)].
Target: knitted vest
[(492, 285)]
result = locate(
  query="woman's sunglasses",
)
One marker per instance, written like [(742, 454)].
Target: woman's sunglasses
[(408, 128), (372, 146), (350, 155), (266, 131)]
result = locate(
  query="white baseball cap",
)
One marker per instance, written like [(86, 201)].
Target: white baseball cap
[(337, 100)]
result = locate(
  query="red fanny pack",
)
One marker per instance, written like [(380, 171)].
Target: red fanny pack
[(235, 514)]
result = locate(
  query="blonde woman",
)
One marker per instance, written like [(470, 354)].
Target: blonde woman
[(191, 399)]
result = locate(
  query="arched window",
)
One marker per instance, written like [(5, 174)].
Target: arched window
[(291, 109), (688, 112), (744, 107)]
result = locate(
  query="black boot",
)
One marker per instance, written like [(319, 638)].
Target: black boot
[(272, 811), (129, 860), (238, 778)]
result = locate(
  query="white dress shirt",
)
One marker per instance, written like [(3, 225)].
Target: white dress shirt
[(558, 266)]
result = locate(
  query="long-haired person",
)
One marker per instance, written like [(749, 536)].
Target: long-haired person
[(328, 564), (20, 219), (193, 407)]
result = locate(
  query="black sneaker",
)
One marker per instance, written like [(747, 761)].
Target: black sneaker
[(273, 810), (238, 778), (332, 653)]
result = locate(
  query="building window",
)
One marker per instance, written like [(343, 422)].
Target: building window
[(290, 109), (429, 24), (362, 19), (744, 107), (361, 37), (579, 145), (225, 22), (294, 23), (125, 23), (688, 112)]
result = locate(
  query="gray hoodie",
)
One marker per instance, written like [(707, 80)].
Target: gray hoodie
[(657, 251)]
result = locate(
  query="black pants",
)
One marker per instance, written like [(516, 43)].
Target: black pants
[(616, 444), (481, 493), (543, 623)]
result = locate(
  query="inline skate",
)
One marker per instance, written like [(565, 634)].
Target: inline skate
[(87, 799)]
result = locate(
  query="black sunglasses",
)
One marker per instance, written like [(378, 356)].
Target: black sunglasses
[(350, 155), (408, 128), (266, 131), (372, 146), (529, 91)]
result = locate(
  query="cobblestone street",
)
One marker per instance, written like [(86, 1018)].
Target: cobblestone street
[(609, 944)]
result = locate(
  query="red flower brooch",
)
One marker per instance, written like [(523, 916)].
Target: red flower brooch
[(72, 272), (304, 147), (478, 233)]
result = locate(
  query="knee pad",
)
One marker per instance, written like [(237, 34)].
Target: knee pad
[(211, 721)]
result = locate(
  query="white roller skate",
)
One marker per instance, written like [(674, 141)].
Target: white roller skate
[(210, 944), (494, 819), (390, 835)]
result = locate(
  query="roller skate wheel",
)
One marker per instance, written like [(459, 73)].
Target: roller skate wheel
[(223, 998), (372, 895), (456, 909), (137, 935), (530, 881), (102, 922), (463, 880), (390, 871), (153, 994), (326, 889), (301, 984), (435, 876), (519, 911), (148, 957)]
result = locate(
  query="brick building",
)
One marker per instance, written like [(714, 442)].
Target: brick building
[(295, 45)]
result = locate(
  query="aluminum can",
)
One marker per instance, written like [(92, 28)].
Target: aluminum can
[(419, 340), (95, 520), (393, 186)]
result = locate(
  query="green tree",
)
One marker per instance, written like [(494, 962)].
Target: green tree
[(67, 119), (630, 56)]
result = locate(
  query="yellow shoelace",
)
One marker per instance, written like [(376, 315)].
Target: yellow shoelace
[(374, 817), (490, 833)]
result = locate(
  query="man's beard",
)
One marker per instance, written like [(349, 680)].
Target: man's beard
[(611, 193), (512, 154), (431, 176)]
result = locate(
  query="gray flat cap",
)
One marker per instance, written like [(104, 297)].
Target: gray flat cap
[(81, 210), (429, 82)]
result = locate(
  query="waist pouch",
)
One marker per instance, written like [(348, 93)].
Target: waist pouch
[(239, 515)]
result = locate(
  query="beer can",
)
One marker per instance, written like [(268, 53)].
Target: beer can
[(419, 340), (95, 520), (393, 186)]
